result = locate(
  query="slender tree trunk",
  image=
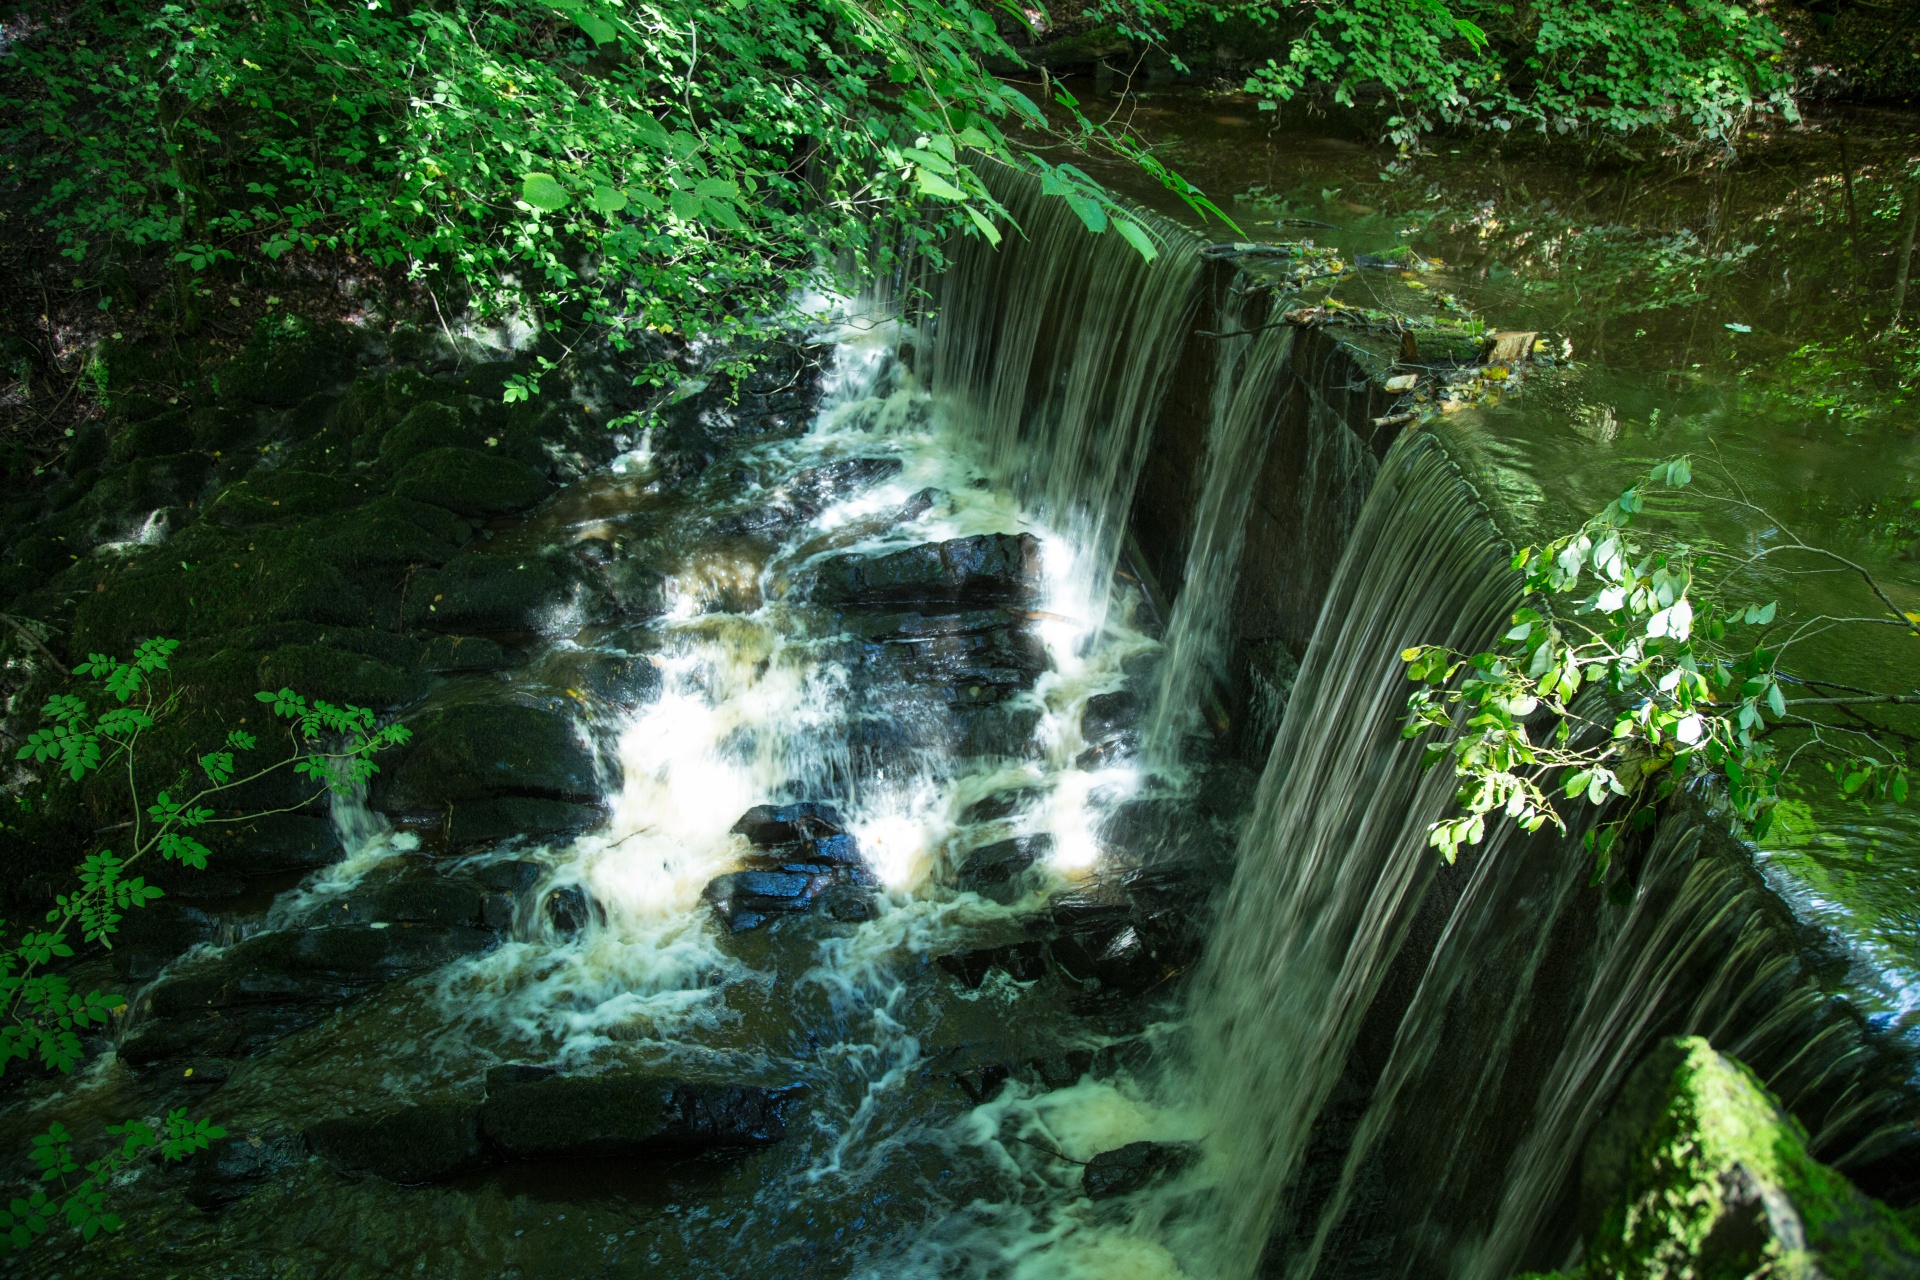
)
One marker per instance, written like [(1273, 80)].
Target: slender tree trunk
[(1904, 271), (1853, 223)]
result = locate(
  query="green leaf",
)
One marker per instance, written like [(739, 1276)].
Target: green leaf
[(934, 185), (1090, 210), (608, 200), (542, 192), (984, 225), (1134, 234)]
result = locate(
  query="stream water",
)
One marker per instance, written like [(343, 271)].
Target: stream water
[(1385, 1067)]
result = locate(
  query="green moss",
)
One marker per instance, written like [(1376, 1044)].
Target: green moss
[(286, 494), (398, 531), (470, 482), (339, 676), (428, 426), (170, 432), (1697, 1172)]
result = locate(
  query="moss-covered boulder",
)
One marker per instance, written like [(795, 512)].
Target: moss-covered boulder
[(397, 531), (471, 482), (340, 676), (480, 592), (286, 494), (164, 433), (286, 362), (1696, 1172), (428, 426)]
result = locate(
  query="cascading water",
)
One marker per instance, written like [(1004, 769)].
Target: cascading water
[(1056, 350)]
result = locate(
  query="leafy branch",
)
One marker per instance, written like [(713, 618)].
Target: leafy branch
[(1654, 680), (41, 1015)]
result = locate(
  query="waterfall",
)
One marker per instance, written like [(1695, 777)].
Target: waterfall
[(1335, 856), (1250, 368), (1056, 348)]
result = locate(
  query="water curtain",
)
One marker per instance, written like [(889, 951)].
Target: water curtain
[(1335, 857)]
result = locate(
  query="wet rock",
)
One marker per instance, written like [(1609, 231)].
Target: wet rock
[(803, 860), (273, 844), (412, 1145), (1106, 715), (471, 483), (985, 569), (572, 1116), (983, 1084), (992, 870), (478, 821), (233, 1168), (513, 875), (1000, 804), (1021, 961), (568, 910), (476, 751), (743, 900), (767, 825), (448, 655), (1133, 1167), (424, 897), (153, 935), (997, 731), (272, 984)]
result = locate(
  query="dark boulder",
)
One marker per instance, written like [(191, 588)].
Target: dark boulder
[(340, 676), (233, 1168), (568, 910), (471, 483), (411, 1145), (529, 1114), (1133, 1167), (986, 569), (1021, 961), (273, 844), (992, 871), (152, 936), (471, 822), (448, 655), (272, 984)]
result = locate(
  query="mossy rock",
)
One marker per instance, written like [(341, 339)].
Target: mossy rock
[(210, 582), (281, 369), (219, 427), (479, 592), (389, 647), (398, 531), (286, 494), (144, 485), (470, 482), (429, 426), (1697, 1172), (454, 655), (313, 415), (340, 676), (165, 433)]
